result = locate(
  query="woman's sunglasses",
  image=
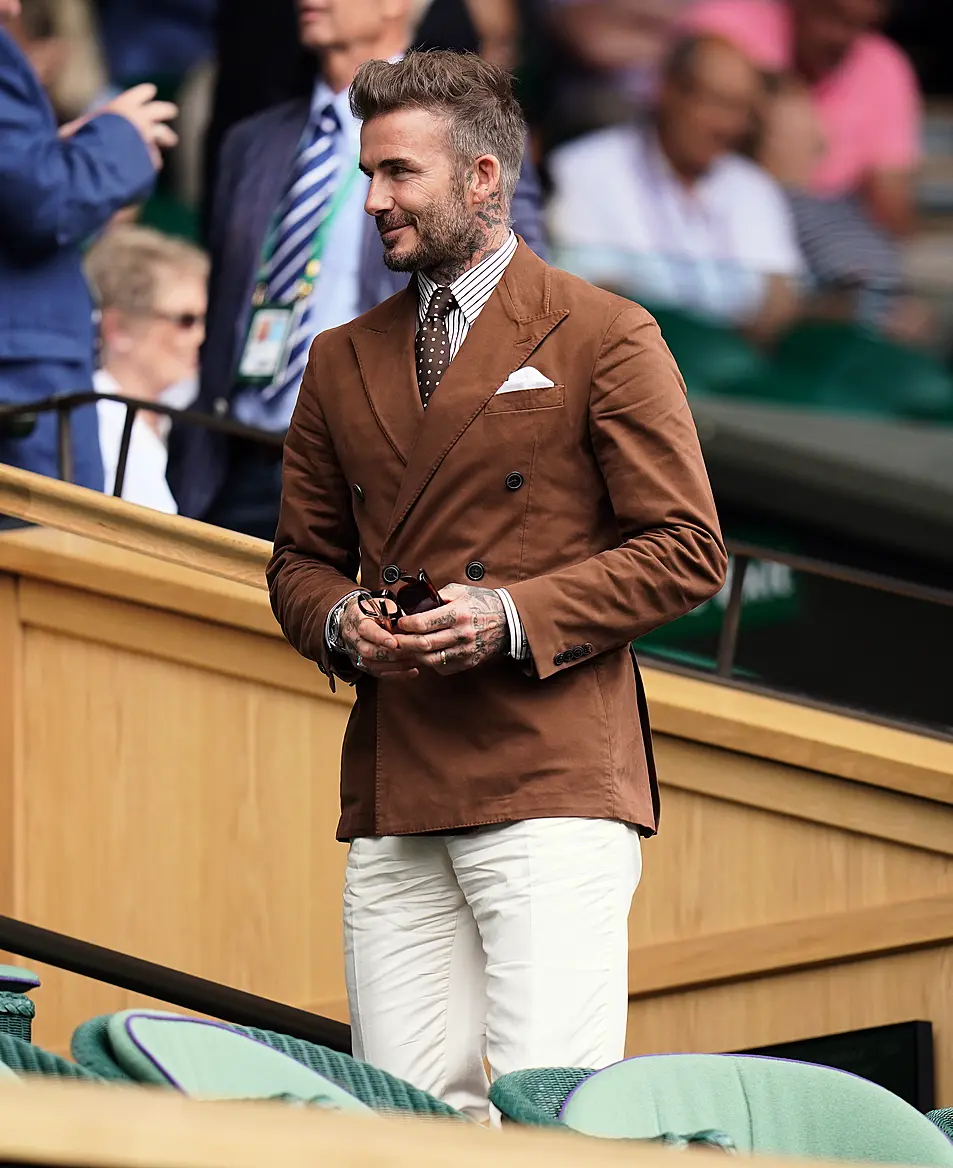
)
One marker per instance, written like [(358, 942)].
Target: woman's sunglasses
[(386, 607)]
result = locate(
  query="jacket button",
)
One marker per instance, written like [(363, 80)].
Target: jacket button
[(514, 480), (578, 653), (588, 649), (559, 659), (390, 575), (475, 571), (220, 407), (358, 492)]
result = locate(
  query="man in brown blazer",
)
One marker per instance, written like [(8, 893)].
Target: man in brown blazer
[(525, 439)]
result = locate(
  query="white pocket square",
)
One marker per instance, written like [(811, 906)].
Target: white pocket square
[(525, 378)]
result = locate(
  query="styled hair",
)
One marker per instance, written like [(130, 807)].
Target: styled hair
[(476, 98), (126, 266)]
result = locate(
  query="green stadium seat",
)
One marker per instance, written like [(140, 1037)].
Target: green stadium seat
[(713, 359), (95, 1047), (843, 367), (767, 1106)]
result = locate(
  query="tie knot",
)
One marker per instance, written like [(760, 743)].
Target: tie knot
[(440, 304), (328, 121)]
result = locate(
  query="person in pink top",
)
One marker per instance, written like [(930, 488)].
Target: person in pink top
[(862, 87)]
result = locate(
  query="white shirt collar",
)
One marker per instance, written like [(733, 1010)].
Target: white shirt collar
[(323, 96), (475, 287)]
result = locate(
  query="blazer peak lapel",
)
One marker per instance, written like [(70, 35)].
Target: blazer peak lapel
[(385, 355)]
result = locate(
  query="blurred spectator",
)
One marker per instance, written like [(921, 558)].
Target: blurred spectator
[(58, 38), (56, 190), (601, 64), (858, 197), (668, 212), (289, 229), (151, 293), (152, 40)]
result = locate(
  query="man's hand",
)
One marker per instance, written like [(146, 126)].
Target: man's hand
[(469, 629), (139, 106), (372, 649)]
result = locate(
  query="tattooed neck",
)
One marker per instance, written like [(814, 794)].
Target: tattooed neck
[(491, 231)]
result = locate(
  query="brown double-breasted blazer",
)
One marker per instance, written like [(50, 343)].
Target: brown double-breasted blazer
[(588, 500)]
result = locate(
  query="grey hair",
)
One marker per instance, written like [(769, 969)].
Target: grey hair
[(476, 98)]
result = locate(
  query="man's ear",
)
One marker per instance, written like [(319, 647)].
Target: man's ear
[(486, 171)]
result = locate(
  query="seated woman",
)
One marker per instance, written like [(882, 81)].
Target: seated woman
[(151, 293), (671, 213)]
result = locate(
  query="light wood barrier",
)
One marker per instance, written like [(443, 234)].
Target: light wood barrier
[(126, 1127), (169, 785)]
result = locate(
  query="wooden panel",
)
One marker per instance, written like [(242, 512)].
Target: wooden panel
[(39, 553), (83, 615), (130, 1127), (832, 744), (11, 742), (801, 794), (717, 866), (900, 988), (183, 816), (791, 945), (106, 519)]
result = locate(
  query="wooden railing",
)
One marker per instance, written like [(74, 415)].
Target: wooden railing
[(187, 542)]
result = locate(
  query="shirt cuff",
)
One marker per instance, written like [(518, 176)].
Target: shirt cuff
[(519, 648), (334, 611)]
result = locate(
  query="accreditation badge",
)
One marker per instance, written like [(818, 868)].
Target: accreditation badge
[(268, 334)]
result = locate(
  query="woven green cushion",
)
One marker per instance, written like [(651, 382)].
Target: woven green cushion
[(25, 1059), (943, 1120), (383, 1092), (210, 1060), (769, 1106)]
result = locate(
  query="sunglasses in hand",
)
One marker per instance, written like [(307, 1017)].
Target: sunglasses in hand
[(416, 594)]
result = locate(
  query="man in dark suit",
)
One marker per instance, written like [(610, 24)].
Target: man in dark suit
[(289, 240), (57, 188)]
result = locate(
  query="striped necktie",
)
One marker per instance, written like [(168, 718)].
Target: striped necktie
[(303, 209)]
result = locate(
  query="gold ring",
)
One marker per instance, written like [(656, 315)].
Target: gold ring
[(443, 657)]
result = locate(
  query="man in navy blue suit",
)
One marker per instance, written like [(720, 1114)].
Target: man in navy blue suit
[(57, 188), (293, 254)]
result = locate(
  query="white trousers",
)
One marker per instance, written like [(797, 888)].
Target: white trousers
[(509, 944)]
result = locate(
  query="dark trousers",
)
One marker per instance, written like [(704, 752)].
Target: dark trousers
[(251, 494)]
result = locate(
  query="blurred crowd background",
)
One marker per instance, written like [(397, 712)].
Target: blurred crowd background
[(772, 178)]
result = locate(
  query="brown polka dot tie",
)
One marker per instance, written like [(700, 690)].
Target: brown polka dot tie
[(433, 344)]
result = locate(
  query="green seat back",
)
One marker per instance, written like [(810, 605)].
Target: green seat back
[(211, 1060), (837, 366), (769, 1106), (712, 358), (16, 1009), (92, 1049)]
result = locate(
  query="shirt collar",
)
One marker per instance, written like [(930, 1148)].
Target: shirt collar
[(474, 288)]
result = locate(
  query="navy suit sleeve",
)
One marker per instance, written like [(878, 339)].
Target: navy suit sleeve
[(527, 208), (56, 192)]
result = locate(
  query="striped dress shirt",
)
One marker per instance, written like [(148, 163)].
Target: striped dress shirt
[(471, 291)]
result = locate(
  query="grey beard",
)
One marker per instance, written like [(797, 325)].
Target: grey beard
[(439, 246)]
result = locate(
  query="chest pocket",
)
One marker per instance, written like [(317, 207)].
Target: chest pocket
[(518, 400)]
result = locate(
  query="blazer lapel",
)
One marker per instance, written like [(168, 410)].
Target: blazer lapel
[(517, 317), (385, 354)]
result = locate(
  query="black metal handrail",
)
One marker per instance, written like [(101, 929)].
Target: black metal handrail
[(64, 404), (170, 985)]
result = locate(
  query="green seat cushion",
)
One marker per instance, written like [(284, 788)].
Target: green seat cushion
[(769, 1106), (211, 1060), (14, 980)]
